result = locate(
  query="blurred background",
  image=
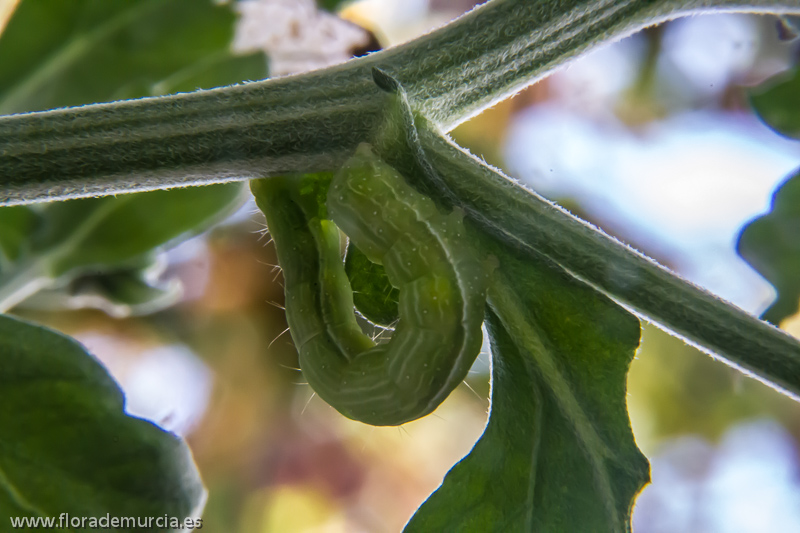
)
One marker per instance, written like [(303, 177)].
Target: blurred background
[(651, 138)]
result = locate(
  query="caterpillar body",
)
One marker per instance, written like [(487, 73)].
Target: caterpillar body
[(426, 256)]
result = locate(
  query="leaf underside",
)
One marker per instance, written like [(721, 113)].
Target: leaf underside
[(66, 444), (771, 244), (558, 453)]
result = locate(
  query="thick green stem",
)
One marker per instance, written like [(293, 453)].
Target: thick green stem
[(314, 121), (506, 45), (239, 132), (528, 222)]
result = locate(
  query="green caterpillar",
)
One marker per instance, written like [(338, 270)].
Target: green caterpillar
[(425, 254)]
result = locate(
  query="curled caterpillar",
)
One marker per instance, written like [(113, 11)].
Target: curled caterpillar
[(426, 256)]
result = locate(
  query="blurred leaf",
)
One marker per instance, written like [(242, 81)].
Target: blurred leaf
[(214, 71), (57, 53), (67, 446), (16, 225), (771, 244), (120, 294), (373, 294), (71, 52), (98, 236), (100, 233), (777, 102), (683, 392), (332, 5), (558, 453)]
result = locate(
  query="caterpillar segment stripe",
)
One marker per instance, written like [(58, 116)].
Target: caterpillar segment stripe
[(426, 256)]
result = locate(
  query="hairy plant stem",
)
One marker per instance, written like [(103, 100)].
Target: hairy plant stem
[(527, 222), (314, 121), (524, 221)]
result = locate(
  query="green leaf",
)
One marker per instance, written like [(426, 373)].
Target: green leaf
[(216, 70), (16, 225), (373, 294), (558, 453), (70, 52), (120, 293), (103, 235), (777, 102), (332, 5), (66, 444), (771, 244), (58, 53), (99, 233)]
